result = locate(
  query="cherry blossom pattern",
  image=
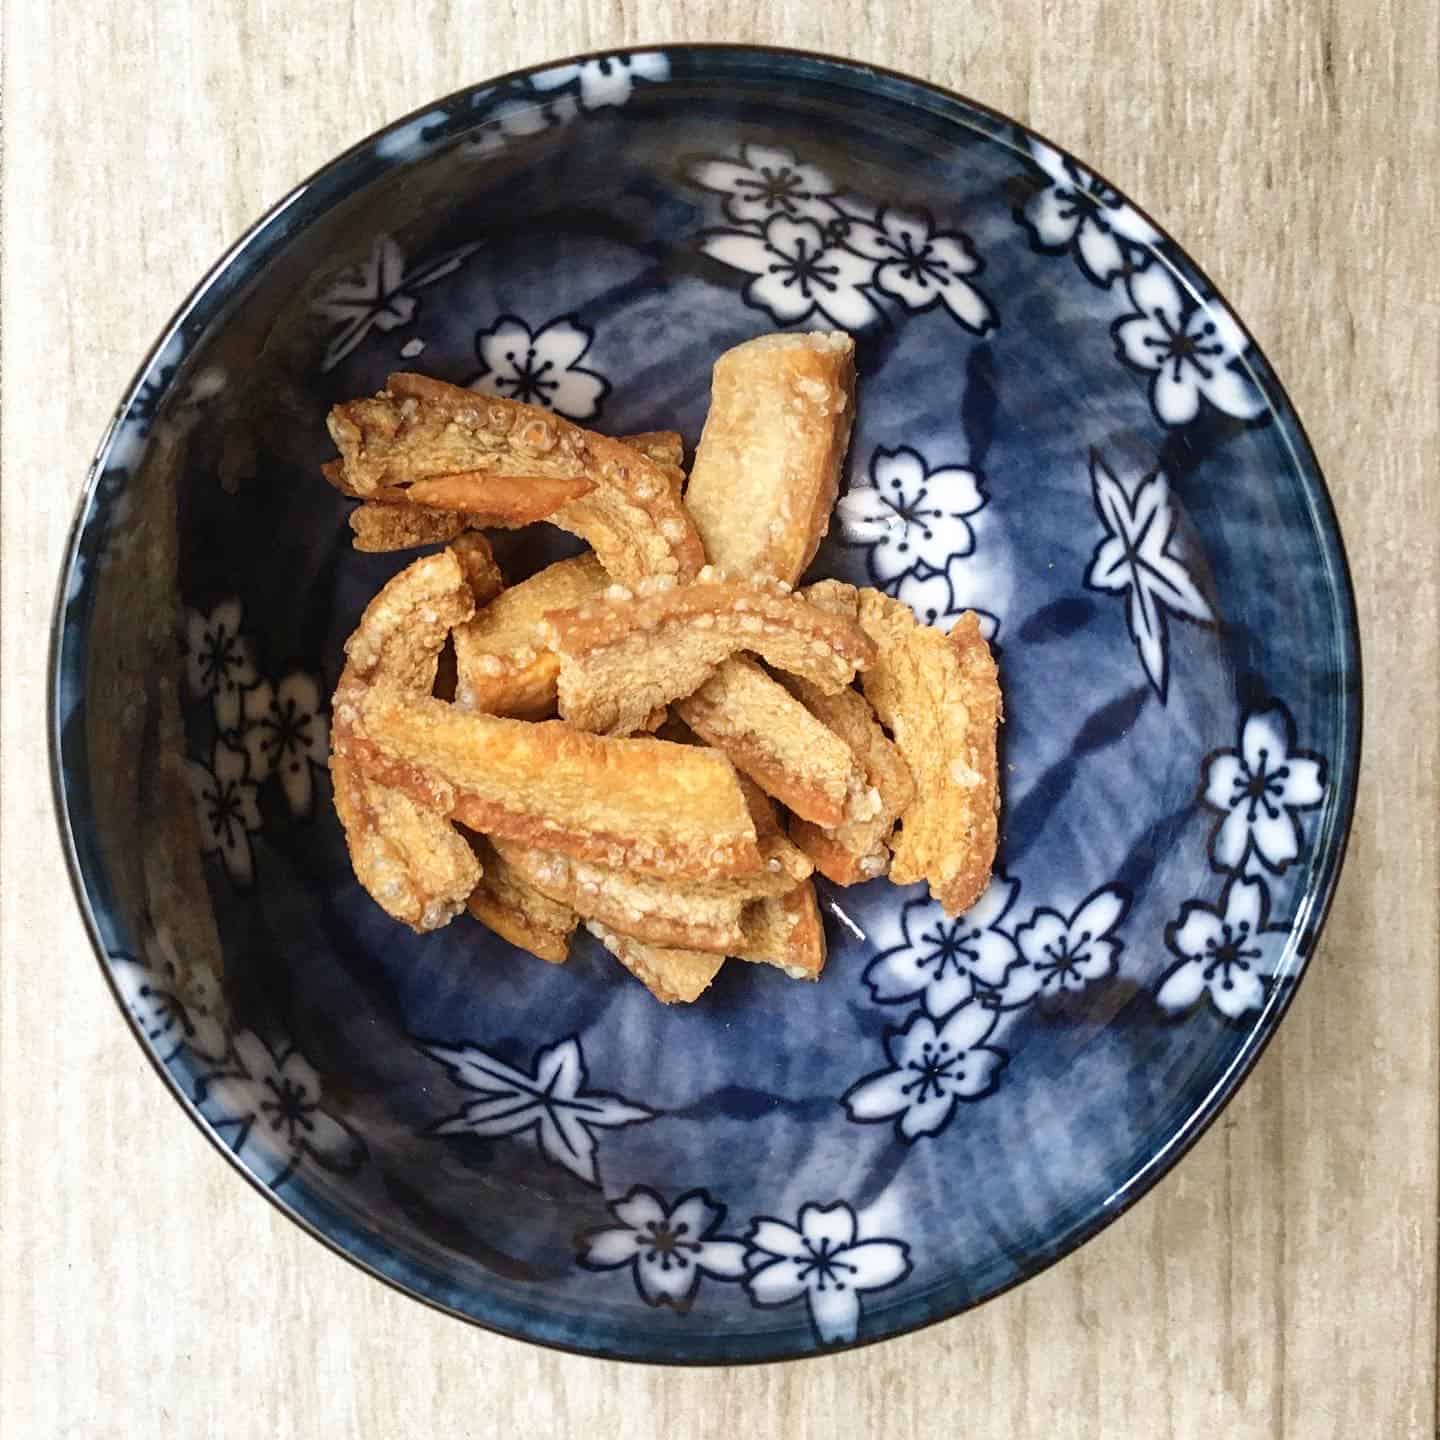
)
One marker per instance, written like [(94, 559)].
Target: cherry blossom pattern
[(764, 181), (815, 250), (1192, 349), (922, 266), (287, 735), (268, 1104), (800, 272), (540, 367), (227, 809), (164, 1019), (1260, 789), (218, 664), (1230, 952), (667, 1248), (1063, 956), (932, 1069), (945, 962), (610, 80), (913, 524), (379, 294), (823, 1259), (551, 1100), (1135, 559), (1076, 211)]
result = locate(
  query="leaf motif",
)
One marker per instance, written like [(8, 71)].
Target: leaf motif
[(1134, 558), (550, 1099)]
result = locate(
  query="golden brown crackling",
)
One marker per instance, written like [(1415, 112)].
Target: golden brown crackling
[(378, 528), (502, 665), (623, 653), (503, 502), (767, 469), (857, 849), (673, 976), (403, 628), (771, 737), (405, 854), (419, 432), (647, 805), (667, 450), (696, 915), (410, 860), (476, 558), (940, 697), (785, 931), (509, 905), (658, 912)]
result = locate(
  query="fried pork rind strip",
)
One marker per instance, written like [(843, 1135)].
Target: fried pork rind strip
[(672, 976), (664, 447), (478, 564), (408, 857), (436, 444), (785, 931), (693, 915), (672, 811), (767, 469), (510, 906), (410, 860), (502, 665), (623, 654), (380, 527), (771, 737), (657, 912), (857, 849), (940, 697)]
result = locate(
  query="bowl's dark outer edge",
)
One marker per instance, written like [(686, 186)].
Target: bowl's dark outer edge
[(272, 227)]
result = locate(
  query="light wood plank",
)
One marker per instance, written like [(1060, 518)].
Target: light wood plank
[(1281, 1283)]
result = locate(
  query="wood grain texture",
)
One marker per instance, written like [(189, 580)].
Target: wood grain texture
[(1281, 1283)]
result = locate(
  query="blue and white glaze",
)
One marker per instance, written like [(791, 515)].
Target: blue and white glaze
[(1058, 426)]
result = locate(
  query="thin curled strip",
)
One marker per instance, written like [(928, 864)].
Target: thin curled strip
[(624, 653), (655, 807), (418, 434)]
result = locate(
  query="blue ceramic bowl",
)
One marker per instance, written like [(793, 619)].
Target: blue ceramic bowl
[(1060, 425)]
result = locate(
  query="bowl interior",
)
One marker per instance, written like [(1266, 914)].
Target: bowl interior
[(1058, 426)]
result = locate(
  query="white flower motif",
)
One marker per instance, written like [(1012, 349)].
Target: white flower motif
[(668, 1248), (1191, 347), (552, 1101), (227, 809), (162, 1017), (921, 266), (379, 295), (1259, 788), (932, 1070), (218, 663), (1231, 952), (1134, 560), (607, 81), (949, 962), (767, 181), (271, 1101), (1063, 956), (800, 270), (822, 1258), (286, 733), (540, 367), (1077, 210), (513, 119), (910, 518)]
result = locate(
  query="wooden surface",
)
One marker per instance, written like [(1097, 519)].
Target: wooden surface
[(1282, 1283)]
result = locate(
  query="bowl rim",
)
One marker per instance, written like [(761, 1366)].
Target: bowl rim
[(269, 231)]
